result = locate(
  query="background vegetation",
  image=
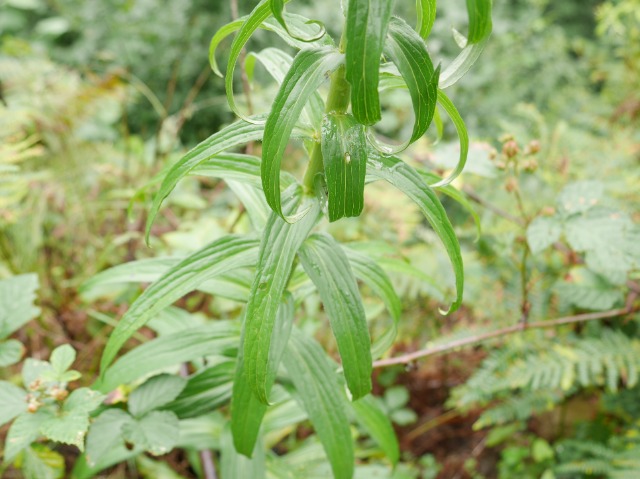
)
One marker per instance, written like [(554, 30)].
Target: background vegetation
[(537, 374)]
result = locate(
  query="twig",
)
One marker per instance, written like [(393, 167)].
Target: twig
[(579, 318), (491, 207), (208, 467)]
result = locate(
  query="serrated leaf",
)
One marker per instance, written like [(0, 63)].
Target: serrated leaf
[(34, 370), (105, 434), (366, 30), (154, 393), (369, 272), (344, 155), (406, 49), (11, 352), (224, 254), (463, 137), (218, 338), (328, 267), (17, 295), (157, 432), (24, 430), (40, 462), (62, 358), (377, 424), (67, 427), (580, 196), (309, 70), (83, 400), (13, 400), (407, 180), (585, 289), (543, 232), (426, 11), (280, 242), (323, 398), (235, 464)]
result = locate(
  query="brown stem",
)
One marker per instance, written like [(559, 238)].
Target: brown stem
[(579, 318), (473, 196)]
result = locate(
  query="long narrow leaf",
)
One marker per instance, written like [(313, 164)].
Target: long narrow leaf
[(328, 267), (408, 52), (409, 181), (463, 136), (280, 243), (480, 24), (277, 9), (426, 11), (323, 398), (377, 424), (344, 152), (309, 69), (222, 255), (366, 30), (247, 410), (234, 465)]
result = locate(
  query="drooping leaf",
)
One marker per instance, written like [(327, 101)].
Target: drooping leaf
[(236, 134), (277, 9), (366, 30), (461, 64), (309, 69), (13, 400), (407, 180), (235, 464), (367, 270), (463, 136), (344, 155), (328, 267), (154, 393), (16, 302), (280, 243), (377, 424), (323, 398), (224, 254), (426, 11), (408, 52)]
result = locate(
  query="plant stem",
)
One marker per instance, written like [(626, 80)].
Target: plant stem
[(337, 102), (423, 353)]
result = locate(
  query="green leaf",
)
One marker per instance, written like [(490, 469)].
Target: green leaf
[(321, 395), (426, 11), (83, 400), (277, 9), (366, 30), (17, 295), (377, 424), (224, 254), (328, 267), (11, 352), (35, 370), (154, 393), (345, 163), (278, 63), (409, 181), (309, 69), (205, 391), (24, 430), (236, 134), (458, 122), (233, 464), (543, 232), (480, 24), (368, 271), (105, 434), (461, 64), (587, 290), (62, 358), (408, 52), (40, 462), (218, 338), (67, 428), (280, 242), (157, 432), (580, 196), (396, 397), (13, 400)]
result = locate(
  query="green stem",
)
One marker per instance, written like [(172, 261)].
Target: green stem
[(337, 102)]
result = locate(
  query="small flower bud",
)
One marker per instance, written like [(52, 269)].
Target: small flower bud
[(533, 147), (510, 149), (530, 165), (511, 185)]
